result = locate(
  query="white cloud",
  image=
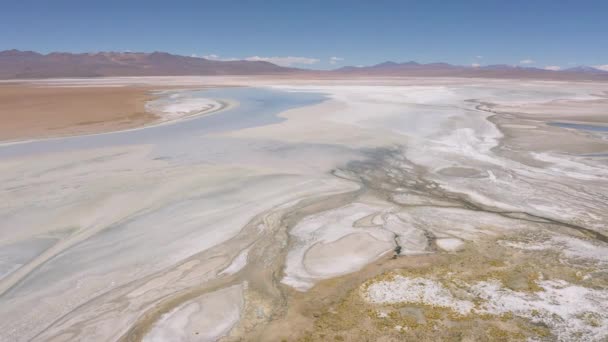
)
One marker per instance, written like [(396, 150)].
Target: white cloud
[(526, 61), (553, 67), (214, 57), (475, 65), (334, 60), (284, 61), (479, 57), (601, 67)]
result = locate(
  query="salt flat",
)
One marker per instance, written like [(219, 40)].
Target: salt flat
[(357, 208)]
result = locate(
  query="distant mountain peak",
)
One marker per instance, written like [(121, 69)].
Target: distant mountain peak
[(440, 69), (386, 64), (28, 64), (586, 69), (498, 67), (15, 52), (391, 64)]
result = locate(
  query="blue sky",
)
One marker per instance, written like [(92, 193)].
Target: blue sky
[(309, 33)]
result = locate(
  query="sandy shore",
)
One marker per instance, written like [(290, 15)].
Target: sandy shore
[(37, 112)]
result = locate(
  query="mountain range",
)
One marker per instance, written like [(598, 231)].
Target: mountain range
[(490, 71), (28, 64), (16, 64)]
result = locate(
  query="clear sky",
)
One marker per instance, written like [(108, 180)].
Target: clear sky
[(536, 33)]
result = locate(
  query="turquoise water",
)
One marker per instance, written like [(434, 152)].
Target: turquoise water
[(257, 107)]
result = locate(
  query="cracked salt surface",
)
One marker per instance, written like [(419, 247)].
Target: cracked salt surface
[(416, 291), (572, 248), (450, 244), (327, 244), (572, 312)]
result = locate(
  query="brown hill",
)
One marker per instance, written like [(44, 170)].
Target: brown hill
[(15, 64), (28, 64), (491, 71)]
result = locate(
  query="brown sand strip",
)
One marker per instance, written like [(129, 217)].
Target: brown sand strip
[(28, 112)]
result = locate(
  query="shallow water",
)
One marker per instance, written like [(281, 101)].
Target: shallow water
[(583, 127), (256, 107)]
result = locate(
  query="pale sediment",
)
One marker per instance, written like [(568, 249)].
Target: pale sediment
[(392, 210), (203, 319)]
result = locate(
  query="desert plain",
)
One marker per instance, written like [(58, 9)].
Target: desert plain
[(303, 209)]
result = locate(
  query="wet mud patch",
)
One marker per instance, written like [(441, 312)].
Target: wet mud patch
[(460, 172)]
